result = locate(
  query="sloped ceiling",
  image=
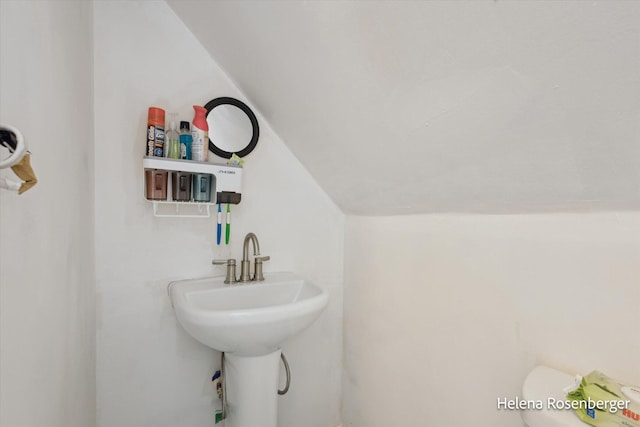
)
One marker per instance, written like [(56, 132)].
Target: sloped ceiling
[(443, 106)]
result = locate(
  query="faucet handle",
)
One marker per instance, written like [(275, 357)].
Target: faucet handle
[(223, 261), (258, 276), (231, 269)]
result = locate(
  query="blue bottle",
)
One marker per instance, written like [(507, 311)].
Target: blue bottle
[(185, 140)]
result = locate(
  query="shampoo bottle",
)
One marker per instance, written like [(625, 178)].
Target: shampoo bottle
[(200, 133)]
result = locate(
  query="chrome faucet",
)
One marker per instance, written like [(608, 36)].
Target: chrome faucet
[(245, 264)]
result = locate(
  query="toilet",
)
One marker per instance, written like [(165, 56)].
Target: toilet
[(541, 384)]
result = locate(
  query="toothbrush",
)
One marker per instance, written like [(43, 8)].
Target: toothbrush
[(228, 228), (219, 223)]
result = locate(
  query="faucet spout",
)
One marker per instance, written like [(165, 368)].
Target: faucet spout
[(245, 264), (245, 247)]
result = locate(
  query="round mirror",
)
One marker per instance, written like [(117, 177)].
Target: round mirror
[(233, 128)]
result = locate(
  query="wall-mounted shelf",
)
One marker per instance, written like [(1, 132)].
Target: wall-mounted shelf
[(228, 186)]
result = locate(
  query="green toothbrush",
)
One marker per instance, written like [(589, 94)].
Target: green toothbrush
[(228, 226)]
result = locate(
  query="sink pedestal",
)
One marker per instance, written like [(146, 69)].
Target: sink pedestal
[(245, 321), (252, 390)]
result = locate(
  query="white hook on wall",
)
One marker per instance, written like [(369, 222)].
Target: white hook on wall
[(18, 160), (16, 151)]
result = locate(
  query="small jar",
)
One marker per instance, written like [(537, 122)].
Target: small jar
[(181, 186), (155, 184), (202, 187)]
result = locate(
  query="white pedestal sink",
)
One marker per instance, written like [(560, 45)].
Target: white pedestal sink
[(248, 322)]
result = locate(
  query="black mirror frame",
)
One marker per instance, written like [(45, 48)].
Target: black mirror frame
[(209, 106)]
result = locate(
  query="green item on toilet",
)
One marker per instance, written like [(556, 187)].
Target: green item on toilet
[(603, 402)]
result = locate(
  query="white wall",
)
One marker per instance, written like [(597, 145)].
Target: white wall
[(47, 285), (444, 313), (150, 371)]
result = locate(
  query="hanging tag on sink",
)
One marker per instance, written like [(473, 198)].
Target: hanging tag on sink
[(217, 382)]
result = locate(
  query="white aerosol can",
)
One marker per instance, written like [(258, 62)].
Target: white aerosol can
[(200, 133)]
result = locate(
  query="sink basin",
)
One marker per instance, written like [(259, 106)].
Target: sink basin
[(251, 319)]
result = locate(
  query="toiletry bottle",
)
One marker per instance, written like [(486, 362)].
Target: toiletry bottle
[(185, 140), (200, 133), (173, 146), (155, 132)]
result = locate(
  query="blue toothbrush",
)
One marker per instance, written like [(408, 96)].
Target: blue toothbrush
[(219, 224)]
